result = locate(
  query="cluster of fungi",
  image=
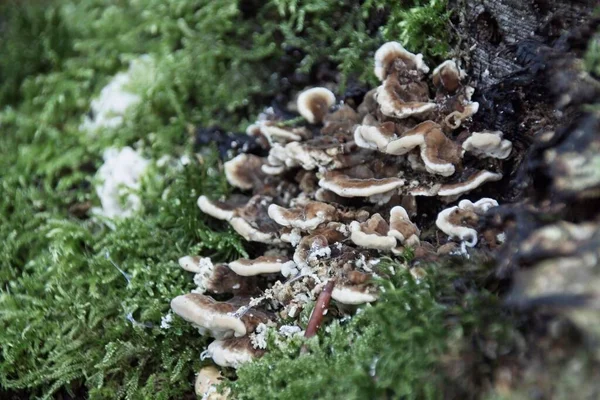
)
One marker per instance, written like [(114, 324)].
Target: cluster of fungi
[(337, 193)]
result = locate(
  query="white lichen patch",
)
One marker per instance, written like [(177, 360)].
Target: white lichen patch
[(108, 110), (119, 178)]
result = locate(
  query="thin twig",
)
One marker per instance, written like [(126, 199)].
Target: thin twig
[(316, 318)]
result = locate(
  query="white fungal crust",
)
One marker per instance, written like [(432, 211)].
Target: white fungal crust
[(389, 52), (459, 221), (488, 144), (345, 186), (260, 265), (314, 103)]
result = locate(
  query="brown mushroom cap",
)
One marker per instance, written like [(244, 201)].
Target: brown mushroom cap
[(458, 221), (447, 75), (251, 221), (375, 136), (372, 234), (306, 217), (466, 109), (340, 121), (439, 153), (244, 171), (217, 279), (345, 186), (233, 352), (212, 317), (260, 265), (400, 100), (402, 228), (283, 134), (389, 52), (470, 183), (216, 209), (314, 103)]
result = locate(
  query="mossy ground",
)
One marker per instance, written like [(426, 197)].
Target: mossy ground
[(81, 304)]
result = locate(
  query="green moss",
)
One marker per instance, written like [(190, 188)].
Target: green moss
[(81, 304), (398, 348)]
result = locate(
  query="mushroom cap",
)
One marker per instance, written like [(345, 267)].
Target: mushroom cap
[(372, 234), (445, 221), (314, 103), (213, 317), (452, 221), (470, 183), (488, 144), (402, 228), (206, 381), (466, 108), (215, 209), (447, 75), (232, 352), (345, 186), (390, 52), (306, 217), (340, 121), (196, 264), (439, 154), (216, 279), (250, 233), (403, 100), (352, 295), (260, 265), (283, 134), (375, 136), (244, 170)]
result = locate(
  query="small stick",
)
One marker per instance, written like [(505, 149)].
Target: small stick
[(316, 318)]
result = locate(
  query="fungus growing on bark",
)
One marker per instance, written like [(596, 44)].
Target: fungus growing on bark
[(460, 221), (321, 197)]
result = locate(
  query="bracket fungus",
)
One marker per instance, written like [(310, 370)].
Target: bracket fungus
[(336, 194), (461, 221)]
